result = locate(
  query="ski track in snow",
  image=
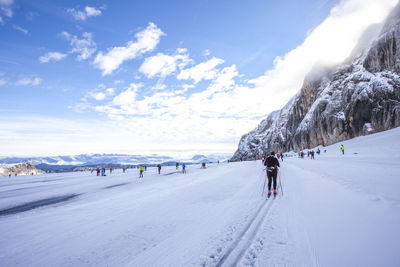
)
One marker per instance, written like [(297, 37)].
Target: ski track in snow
[(241, 244), (337, 210)]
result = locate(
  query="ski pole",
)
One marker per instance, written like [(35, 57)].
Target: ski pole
[(265, 180), (280, 183)]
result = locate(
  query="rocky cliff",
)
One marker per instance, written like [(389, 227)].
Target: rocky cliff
[(18, 169), (356, 98)]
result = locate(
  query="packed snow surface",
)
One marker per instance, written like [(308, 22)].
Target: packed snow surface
[(336, 210)]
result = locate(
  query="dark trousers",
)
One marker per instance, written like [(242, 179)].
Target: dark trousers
[(271, 177)]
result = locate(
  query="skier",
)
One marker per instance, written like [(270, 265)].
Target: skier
[(312, 154), (203, 165), (145, 168), (159, 168), (183, 168), (272, 164), (98, 171), (318, 151), (177, 165), (102, 171), (141, 171), (123, 169), (342, 148)]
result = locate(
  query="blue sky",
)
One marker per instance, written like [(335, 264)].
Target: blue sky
[(165, 77)]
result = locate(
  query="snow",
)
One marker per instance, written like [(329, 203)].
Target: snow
[(337, 210)]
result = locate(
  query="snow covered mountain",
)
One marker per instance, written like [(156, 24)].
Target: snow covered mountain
[(70, 163), (359, 97)]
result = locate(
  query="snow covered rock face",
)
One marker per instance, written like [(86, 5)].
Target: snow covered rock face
[(19, 169), (354, 99)]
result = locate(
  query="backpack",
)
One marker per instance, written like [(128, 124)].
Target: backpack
[(270, 163)]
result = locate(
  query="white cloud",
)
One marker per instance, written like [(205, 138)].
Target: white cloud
[(159, 87), (99, 96), (2, 82), (127, 97), (5, 10), (164, 65), (92, 11), (84, 47), (147, 41), (52, 56), (84, 14), (110, 91), (18, 28), (28, 81), (205, 70)]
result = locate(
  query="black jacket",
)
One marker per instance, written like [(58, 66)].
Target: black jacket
[(271, 162)]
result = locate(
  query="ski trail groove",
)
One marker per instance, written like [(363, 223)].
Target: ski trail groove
[(238, 248)]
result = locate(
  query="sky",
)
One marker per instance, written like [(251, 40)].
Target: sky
[(160, 77)]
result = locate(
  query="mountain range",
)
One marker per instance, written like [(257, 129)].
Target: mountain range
[(79, 162)]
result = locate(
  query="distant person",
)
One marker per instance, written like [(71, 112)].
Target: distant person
[(203, 165), (318, 151), (145, 168), (272, 164), (141, 169), (342, 148), (98, 171), (159, 168), (111, 170), (177, 165), (312, 154), (183, 168), (123, 170)]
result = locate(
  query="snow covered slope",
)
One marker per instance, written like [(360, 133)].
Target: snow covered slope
[(336, 210), (359, 97)]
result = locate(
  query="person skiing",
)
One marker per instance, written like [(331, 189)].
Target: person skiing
[(183, 168), (312, 154), (177, 165), (159, 168), (342, 148), (98, 171), (123, 169), (272, 164), (141, 171)]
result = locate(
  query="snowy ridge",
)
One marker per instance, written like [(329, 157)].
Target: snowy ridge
[(359, 97), (89, 160)]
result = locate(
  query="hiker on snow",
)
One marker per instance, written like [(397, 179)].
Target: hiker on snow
[(272, 164), (342, 148), (183, 168), (159, 168), (141, 169)]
